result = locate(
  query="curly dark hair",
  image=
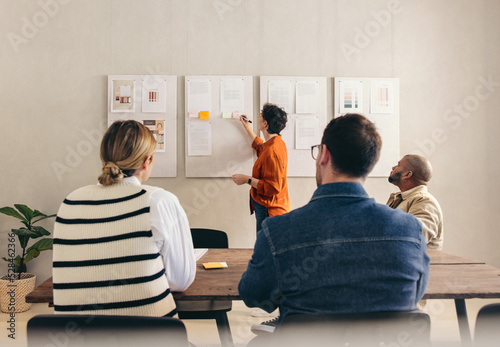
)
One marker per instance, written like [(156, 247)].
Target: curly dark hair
[(275, 117)]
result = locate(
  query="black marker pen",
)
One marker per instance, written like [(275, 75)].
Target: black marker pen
[(246, 119)]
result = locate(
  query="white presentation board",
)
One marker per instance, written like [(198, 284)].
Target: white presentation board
[(304, 100), (378, 100), (151, 100), (216, 145)]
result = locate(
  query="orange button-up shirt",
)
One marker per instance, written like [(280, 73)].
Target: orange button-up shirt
[(270, 169)]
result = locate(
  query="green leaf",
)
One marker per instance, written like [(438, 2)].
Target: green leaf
[(33, 253), (37, 213), (23, 241), (25, 210), (44, 217), (40, 231), (25, 232), (9, 211), (42, 245), (18, 267), (17, 261), (35, 249)]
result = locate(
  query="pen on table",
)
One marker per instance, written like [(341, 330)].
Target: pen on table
[(246, 119)]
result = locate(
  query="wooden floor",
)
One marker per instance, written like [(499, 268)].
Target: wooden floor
[(203, 333)]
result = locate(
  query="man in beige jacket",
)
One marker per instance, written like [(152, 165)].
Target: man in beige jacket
[(411, 175)]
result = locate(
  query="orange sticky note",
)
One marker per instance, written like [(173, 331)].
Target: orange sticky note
[(204, 115), (214, 265)]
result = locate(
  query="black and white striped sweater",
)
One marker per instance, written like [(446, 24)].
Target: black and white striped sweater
[(105, 260)]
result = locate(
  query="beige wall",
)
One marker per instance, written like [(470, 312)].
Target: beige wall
[(53, 84)]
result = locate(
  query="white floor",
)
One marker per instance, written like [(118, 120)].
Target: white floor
[(203, 333)]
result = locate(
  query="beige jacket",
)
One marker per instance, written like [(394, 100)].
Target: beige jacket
[(420, 203)]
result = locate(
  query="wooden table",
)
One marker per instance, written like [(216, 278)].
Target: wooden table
[(451, 277), (218, 284), (459, 278), (439, 257)]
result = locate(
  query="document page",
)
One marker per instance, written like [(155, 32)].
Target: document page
[(307, 96), (199, 95), (199, 139), (281, 94)]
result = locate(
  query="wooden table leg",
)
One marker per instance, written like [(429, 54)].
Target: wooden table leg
[(463, 322)]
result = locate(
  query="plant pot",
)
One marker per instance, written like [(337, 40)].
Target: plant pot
[(13, 293)]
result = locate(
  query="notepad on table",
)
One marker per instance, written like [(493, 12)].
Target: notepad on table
[(215, 265)]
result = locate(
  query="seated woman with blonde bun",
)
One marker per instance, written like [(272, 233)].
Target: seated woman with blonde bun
[(121, 247)]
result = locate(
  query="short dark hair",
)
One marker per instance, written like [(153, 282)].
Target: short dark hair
[(354, 144), (275, 117)]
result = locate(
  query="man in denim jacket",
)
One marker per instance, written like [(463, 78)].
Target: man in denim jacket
[(342, 252)]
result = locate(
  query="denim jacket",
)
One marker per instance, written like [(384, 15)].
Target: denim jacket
[(340, 253)]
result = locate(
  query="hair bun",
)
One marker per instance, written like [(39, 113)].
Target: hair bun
[(112, 169), (111, 173)]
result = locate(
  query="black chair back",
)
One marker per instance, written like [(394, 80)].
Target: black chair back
[(487, 332), (361, 330), (209, 238), (106, 331)]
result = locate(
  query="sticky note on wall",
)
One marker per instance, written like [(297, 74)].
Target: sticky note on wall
[(193, 114), (204, 115), (237, 114), (226, 114)]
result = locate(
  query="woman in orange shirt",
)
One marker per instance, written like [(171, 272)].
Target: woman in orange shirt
[(269, 192)]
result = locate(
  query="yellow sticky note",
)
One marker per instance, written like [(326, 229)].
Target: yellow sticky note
[(214, 265), (204, 115), (226, 114)]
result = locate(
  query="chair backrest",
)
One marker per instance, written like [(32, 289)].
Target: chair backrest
[(209, 238), (108, 331), (487, 331), (363, 330)]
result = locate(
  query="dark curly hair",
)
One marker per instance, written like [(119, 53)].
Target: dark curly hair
[(275, 117)]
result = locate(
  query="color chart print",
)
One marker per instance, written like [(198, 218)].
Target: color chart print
[(154, 98), (123, 96), (157, 127), (351, 97), (382, 97)]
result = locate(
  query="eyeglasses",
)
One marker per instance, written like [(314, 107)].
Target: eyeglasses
[(315, 151)]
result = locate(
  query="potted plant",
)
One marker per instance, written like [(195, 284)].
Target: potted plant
[(18, 283)]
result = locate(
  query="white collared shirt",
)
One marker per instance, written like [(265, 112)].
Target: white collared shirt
[(172, 234)]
